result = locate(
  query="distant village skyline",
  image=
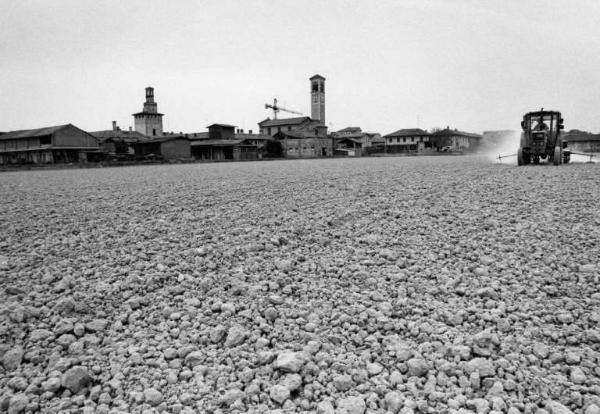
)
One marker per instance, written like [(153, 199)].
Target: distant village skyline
[(482, 68)]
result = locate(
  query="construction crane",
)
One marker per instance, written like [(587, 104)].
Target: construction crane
[(276, 109)]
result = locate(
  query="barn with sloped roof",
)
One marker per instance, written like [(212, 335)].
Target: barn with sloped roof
[(57, 144)]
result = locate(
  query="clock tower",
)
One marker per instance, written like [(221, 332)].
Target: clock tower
[(317, 98)]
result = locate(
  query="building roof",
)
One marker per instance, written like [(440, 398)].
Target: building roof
[(119, 134), (196, 135), (355, 135), (253, 136), (408, 132), (30, 133), (349, 130), (147, 113), (163, 139), (222, 125), (317, 76), (218, 142), (285, 121), (354, 140), (455, 132)]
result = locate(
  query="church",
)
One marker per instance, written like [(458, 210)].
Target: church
[(314, 125)]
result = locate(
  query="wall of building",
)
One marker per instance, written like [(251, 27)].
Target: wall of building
[(245, 153), (72, 137), (307, 147), (271, 131), (149, 124), (36, 157), (176, 149), (406, 140)]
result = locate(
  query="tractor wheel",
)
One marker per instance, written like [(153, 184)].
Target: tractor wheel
[(520, 158), (557, 155)]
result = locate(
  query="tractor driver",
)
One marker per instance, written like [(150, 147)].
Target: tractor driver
[(541, 125)]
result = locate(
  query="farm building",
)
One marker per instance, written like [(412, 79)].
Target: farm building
[(305, 144), (581, 141), (351, 147), (115, 142), (407, 140), (58, 144), (225, 142), (169, 147), (366, 139), (224, 149), (260, 141), (454, 140)]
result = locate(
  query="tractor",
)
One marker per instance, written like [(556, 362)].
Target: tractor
[(542, 138)]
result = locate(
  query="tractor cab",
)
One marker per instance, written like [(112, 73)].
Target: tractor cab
[(542, 138)]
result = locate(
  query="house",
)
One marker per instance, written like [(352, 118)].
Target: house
[(579, 141), (407, 140), (454, 140), (116, 142), (57, 144), (305, 144), (353, 139), (168, 147)]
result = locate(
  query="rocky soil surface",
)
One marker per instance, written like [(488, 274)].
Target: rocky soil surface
[(394, 285)]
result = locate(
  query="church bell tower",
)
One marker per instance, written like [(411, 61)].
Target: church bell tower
[(317, 98)]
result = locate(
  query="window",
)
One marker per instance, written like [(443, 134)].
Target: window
[(269, 130), (289, 128), (46, 140), (315, 87), (398, 139), (154, 132), (278, 129), (404, 139)]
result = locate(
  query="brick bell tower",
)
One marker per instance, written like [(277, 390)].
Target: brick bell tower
[(317, 98), (149, 121)]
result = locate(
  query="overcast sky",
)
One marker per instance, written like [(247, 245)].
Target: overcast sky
[(472, 65)]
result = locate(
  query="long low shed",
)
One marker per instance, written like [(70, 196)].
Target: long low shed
[(58, 144), (224, 149)]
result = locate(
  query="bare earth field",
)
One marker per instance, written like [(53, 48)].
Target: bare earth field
[(402, 285)]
